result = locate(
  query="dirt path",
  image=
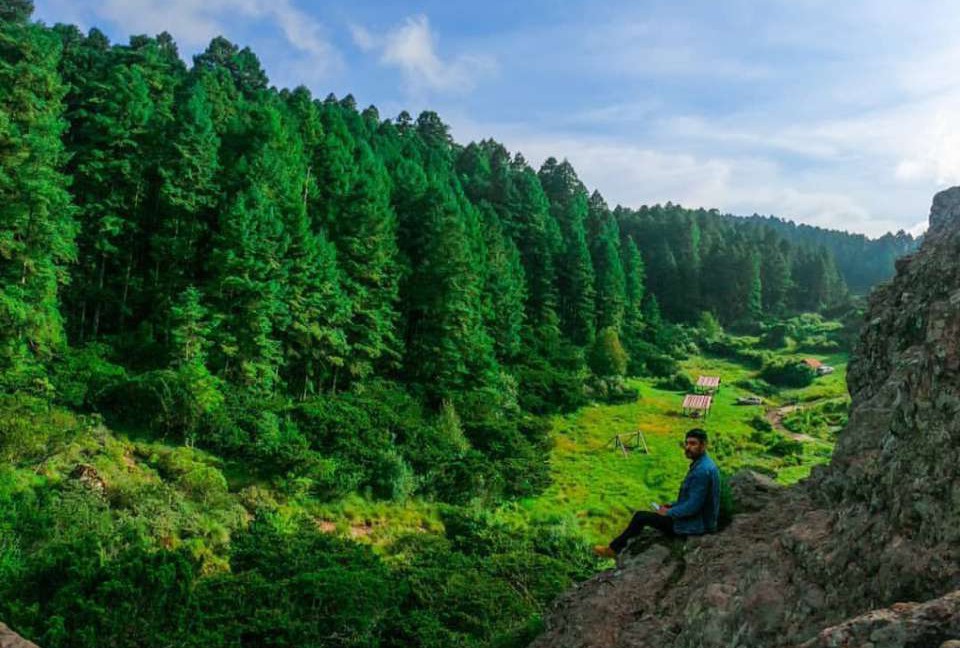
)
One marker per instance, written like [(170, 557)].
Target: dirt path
[(775, 417)]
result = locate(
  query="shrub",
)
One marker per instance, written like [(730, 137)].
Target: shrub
[(776, 444), (756, 386), (680, 382), (788, 373), (167, 401), (761, 424), (546, 389), (82, 376), (31, 429), (742, 349), (608, 357), (708, 326), (611, 389), (774, 337)]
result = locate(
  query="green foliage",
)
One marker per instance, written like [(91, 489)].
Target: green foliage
[(648, 359), (174, 402), (608, 357), (679, 382), (82, 376), (31, 430), (36, 217), (788, 372), (761, 424), (822, 421), (611, 389), (743, 349), (774, 337), (757, 387), (777, 444), (708, 327)]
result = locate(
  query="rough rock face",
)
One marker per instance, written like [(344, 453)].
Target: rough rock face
[(878, 528), (10, 639)]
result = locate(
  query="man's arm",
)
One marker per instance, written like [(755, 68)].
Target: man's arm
[(696, 496)]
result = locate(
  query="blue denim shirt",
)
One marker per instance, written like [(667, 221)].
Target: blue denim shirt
[(698, 504)]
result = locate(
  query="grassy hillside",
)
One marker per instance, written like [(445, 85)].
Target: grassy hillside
[(599, 487)]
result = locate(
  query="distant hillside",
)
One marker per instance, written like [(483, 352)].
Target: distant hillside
[(863, 262)]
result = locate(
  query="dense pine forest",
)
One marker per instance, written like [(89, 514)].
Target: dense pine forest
[(331, 302)]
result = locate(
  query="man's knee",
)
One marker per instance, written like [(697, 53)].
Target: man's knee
[(642, 517)]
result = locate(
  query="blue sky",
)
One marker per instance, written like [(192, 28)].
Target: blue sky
[(844, 115)]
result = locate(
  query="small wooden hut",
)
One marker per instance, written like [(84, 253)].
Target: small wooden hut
[(695, 405), (708, 384)]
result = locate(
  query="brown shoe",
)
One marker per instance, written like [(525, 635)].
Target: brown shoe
[(604, 551)]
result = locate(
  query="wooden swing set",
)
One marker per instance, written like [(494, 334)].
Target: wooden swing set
[(630, 441)]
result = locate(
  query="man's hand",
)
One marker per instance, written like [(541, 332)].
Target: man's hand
[(663, 509)]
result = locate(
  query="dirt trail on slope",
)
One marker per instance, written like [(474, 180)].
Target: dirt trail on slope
[(775, 418)]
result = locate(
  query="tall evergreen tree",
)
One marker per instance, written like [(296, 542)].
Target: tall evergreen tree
[(634, 292), (36, 226), (353, 204), (447, 347), (188, 198), (568, 204), (604, 236), (503, 290), (775, 274)]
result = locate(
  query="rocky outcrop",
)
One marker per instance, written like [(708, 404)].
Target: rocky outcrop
[(904, 624), (848, 557), (10, 639)]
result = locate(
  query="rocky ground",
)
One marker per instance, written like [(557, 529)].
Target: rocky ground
[(10, 639), (866, 552)]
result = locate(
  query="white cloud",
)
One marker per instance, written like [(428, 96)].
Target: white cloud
[(362, 38), (193, 23), (412, 48)]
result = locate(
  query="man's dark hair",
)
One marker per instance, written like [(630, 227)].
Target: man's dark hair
[(698, 434)]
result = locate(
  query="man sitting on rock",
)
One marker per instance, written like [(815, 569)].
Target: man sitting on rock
[(697, 507)]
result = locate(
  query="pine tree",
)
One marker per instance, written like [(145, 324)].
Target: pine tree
[(191, 329), (754, 287), (15, 11), (188, 197), (353, 203), (568, 204), (317, 310), (604, 234), (447, 346), (775, 274), (121, 110), (634, 292), (246, 268), (36, 226), (503, 290)]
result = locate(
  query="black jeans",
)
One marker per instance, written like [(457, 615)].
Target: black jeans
[(640, 520)]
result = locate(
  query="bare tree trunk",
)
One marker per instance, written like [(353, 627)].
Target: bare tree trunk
[(126, 291), (99, 300)]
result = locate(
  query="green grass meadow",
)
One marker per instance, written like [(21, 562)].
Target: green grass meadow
[(597, 488)]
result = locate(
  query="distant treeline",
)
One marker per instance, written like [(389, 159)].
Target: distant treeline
[(863, 262)]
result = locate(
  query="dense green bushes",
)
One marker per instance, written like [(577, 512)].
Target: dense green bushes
[(821, 421), (741, 349), (788, 372), (483, 583)]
